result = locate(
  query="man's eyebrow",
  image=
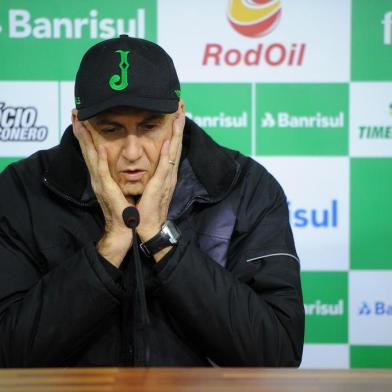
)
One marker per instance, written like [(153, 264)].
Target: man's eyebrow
[(153, 117), (106, 121)]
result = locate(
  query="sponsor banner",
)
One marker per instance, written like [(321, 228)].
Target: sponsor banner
[(28, 117), (67, 103), (371, 119), (325, 301), (366, 357), (318, 208), (371, 211), (224, 111), (371, 40), (325, 356), (245, 41), (47, 41), (4, 162), (370, 307), (301, 119)]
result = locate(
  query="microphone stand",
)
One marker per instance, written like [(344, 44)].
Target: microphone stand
[(131, 219)]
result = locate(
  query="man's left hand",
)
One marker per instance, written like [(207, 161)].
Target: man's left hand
[(153, 205)]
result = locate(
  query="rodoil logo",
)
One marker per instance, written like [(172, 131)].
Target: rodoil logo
[(254, 19)]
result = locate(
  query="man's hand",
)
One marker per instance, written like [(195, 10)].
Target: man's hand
[(117, 239), (153, 206)]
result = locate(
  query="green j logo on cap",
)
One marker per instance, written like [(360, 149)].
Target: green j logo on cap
[(117, 82)]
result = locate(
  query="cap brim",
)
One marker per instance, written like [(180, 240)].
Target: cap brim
[(150, 104)]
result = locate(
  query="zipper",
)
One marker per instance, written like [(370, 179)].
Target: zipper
[(67, 197), (202, 199)]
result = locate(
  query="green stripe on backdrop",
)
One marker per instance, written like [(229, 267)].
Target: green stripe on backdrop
[(371, 357), (4, 162)]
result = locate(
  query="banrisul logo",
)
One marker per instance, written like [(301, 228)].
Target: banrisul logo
[(377, 131), (220, 120), (120, 82), (325, 302), (22, 24), (223, 110), (254, 18), (19, 124), (319, 218), (42, 31), (376, 308), (288, 120), (322, 308), (301, 119)]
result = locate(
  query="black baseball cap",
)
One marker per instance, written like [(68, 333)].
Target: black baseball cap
[(126, 71)]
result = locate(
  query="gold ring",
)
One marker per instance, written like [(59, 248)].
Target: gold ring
[(172, 162)]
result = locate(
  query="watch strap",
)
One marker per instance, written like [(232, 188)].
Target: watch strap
[(161, 240)]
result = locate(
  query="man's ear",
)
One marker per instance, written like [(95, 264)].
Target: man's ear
[(181, 107), (74, 116)]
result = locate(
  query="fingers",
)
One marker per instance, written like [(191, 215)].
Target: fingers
[(82, 133), (163, 167), (103, 167), (176, 141), (171, 152)]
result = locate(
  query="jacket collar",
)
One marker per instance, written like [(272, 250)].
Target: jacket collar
[(213, 167)]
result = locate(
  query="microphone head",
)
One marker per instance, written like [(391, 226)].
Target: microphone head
[(131, 217)]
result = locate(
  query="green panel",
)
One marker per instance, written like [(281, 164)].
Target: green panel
[(325, 299), (371, 40), (371, 357), (223, 110), (45, 40), (4, 162), (371, 213), (302, 119)]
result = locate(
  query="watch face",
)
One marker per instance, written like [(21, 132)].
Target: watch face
[(171, 230), (168, 235)]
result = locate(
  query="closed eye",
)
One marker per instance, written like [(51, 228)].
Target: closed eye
[(148, 126), (109, 130)]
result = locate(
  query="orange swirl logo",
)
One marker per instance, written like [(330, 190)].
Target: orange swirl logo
[(254, 18)]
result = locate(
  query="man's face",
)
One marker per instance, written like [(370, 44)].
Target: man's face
[(133, 141)]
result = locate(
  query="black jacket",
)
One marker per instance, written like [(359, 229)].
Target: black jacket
[(229, 294)]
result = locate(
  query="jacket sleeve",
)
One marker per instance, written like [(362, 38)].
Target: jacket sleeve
[(45, 317), (251, 312)]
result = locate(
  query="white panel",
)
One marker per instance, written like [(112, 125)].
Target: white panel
[(321, 27), (28, 117), (67, 103), (371, 119), (326, 356), (317, 190), (370, 295)]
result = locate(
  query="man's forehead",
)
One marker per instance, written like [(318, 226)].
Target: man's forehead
[(136, 113)]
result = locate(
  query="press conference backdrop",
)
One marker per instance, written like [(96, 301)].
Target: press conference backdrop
[(302, 86)]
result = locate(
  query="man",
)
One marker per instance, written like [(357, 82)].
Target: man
[(220, 271)]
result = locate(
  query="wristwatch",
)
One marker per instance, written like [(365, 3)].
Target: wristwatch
[(168, 236)]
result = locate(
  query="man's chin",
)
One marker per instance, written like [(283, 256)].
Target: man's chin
[(133, 192)]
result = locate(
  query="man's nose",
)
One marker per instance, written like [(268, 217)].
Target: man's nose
[(132, 148)]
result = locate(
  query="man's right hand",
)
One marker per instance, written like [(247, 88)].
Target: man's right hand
[(117, 239)]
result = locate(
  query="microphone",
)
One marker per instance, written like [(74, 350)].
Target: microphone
[(131, 219)]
